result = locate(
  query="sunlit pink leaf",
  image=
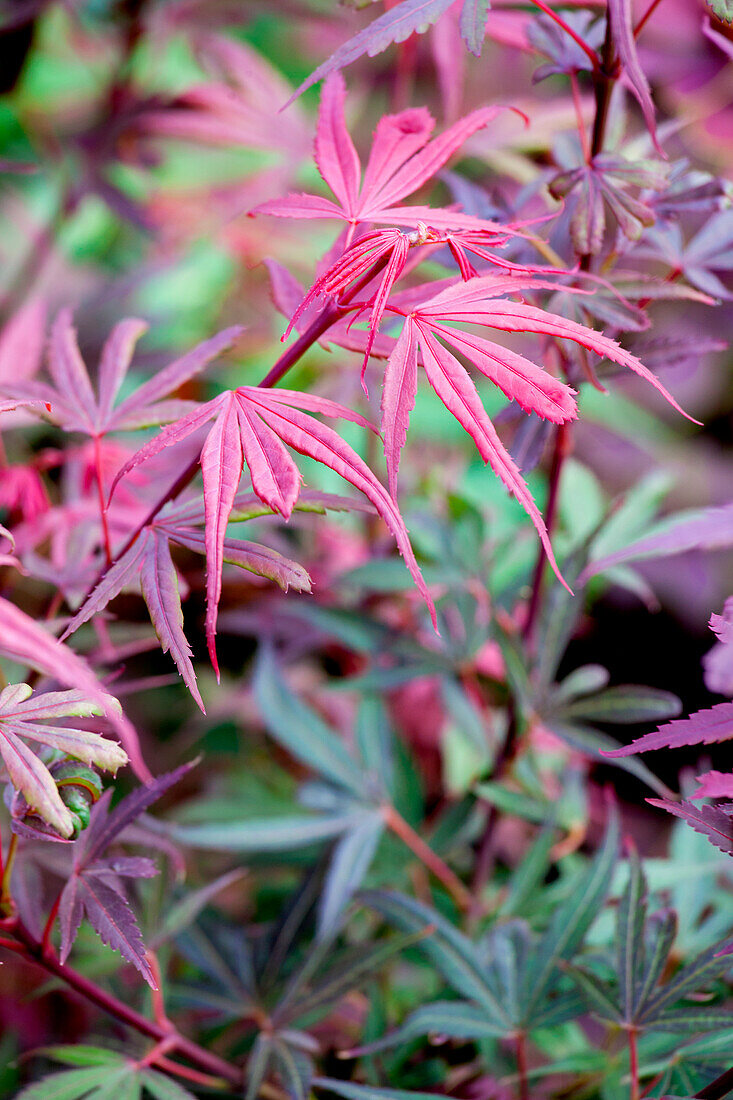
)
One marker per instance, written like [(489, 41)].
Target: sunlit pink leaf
[(308, 402), (159, 583), (400, 162), (68, 370), (519, 317), (521, 380), (115, 361), (275, 477), (222, 459), (335, 155), (398, 400), (300, 206), (458, 393), (172, 377), (427, 162), (318, 441), (396, 139)]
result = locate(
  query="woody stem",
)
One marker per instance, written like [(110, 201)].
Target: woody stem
[(559, 454), (29, 947), (604, 78)]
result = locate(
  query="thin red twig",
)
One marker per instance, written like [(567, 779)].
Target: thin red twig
[(590, 53), (645, 17), (28, 947)]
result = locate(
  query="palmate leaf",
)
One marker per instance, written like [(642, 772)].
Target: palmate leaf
[(253, 425), (528, 874), (621, 21), (693, 976), (558, 618), (184, 912), (694, 529), (597, 996), (600, 746), (350, 861), (80, 1054), (623, 704), (294, 1066), (401, 160), (25, 641), (429, 326), (275, 834), (630, 919), (320, 988), (403, 20), (659, 935), (257, 1065), (642, 950), (455, 956), (20, 716), (449, 1019), (570, 923), (73, 402), (473, 24), (109, 1077), (350, 806), (110, 915), (75, 1084), (149, 560), (689, 1020), (602, 183), (301, 731), (93, 888)]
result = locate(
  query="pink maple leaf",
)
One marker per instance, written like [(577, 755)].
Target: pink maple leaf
[(429, 327), (71, 395), (255, 426), (149, 562), (377, 260), (402, 159)]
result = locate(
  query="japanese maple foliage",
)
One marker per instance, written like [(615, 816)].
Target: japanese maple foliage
[(415, 857), (402, 160)]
